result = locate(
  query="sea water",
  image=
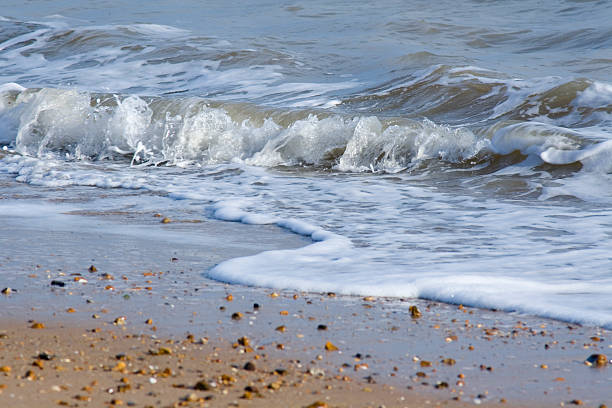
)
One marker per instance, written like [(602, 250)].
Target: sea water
[(456, 151)]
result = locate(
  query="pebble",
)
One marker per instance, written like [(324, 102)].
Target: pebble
[(7, 291), (329, 346), (597, 360), (415, 312), (203, 386), (318, 404), (119, 321)]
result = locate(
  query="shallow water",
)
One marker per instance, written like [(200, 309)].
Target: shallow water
[(458, 152)]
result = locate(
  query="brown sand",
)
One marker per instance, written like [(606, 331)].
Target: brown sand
[(118, 335), (72, 362)]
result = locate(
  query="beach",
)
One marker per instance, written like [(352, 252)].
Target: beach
[(101, 330), (384, 204)]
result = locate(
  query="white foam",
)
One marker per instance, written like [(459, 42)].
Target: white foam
[(532, 138), (79, 125), (386, 238)]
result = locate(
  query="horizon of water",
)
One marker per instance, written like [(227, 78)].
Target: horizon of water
[(452, 151)]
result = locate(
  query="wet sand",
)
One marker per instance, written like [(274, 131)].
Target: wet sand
[(144, 327)]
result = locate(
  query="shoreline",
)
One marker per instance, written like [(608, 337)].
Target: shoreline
[(140, 285)]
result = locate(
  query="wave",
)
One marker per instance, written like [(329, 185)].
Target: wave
[(477, 96), (75, 125)]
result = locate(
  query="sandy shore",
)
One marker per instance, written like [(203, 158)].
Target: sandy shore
[(296, 350), (144, 327)]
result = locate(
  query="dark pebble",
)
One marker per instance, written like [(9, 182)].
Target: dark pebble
[(45, 356)]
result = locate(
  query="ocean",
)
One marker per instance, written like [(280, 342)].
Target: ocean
[(452, 151)]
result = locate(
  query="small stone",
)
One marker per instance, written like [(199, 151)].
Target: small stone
[(162, 351), (92, 269), (448, 361), (441, 384), (191, 397), (119, 321), (5, 369), (166, 373), (149, 321), (166, 220), (7, 291), (281, 329), (576, 402), (284, 312), (330, 347), (321, 327), (275, 385), (237, 316), (229, 298), (58, 283), (244, 341), (414, 312), (30, 375), (249, 366), (45, 356), (37, 325), (227, 379), (318, 404), (597, 360), (124, 387), (202, 386)]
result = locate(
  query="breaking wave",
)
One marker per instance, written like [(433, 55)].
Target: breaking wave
[(76, 125)]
